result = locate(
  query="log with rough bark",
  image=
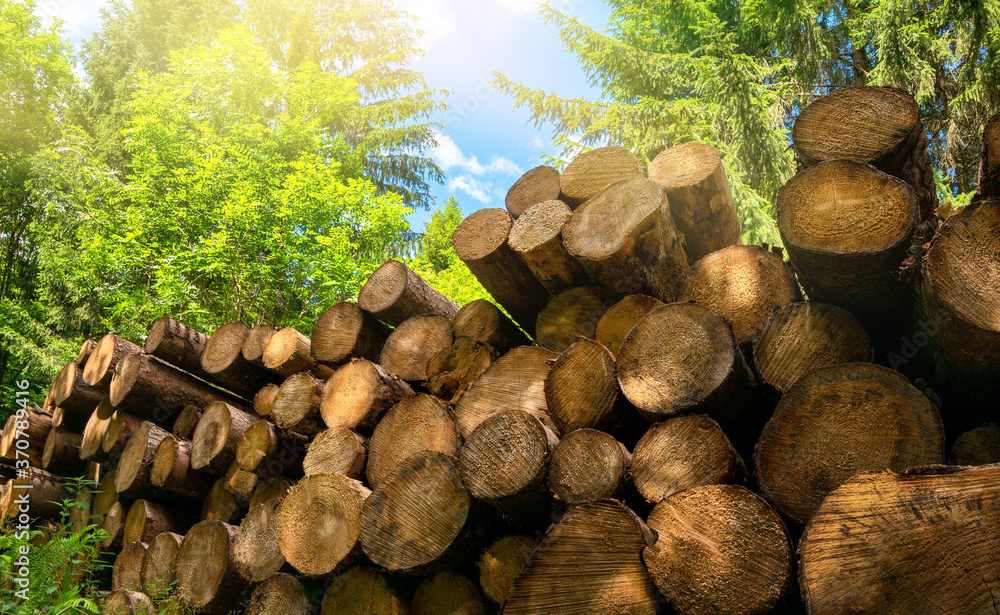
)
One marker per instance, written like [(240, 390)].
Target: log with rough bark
[(801, 337), (744, 284), (61, 454), (590, 563), (159, 567), (362, 591), (239, 482), (215, 440), (71, 393), (588, 465), (593, 171), (256, 341), (101, 364), (177, 344), (416, 514), (263, 401), (220, 505), (989, 165), (255, 551), (627, 241), (615, 324), (581, 389), (919, 542), (395, 293), (875, 125), (537, 238), (275, 487), (267, 451), (146, 519), (719, 549), (85, 351), (344, 331), (127, 573), (452, 370), (121, 426), (319, 521), (481, 242), (568, 316), (92, 437), (977, 447), (536, 186), (840, 420), (683, 452), (172, 470), (132, 478), (224, 363), (484, 322), (280, 594), (515, 381), (411, 345), (701, 201), (418, 423), (186, 422), (125, 602), (206, 573), (358, 394), (501, 563), (337, 451), (296, 407), (447, 593), (289, 352)]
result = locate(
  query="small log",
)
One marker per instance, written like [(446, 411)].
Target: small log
[(484, 322), (537, 238), (515, 381), (206, 573), (146, 519), (275, 487), (127, 573), (132, 478), (34, 429), (593, 171), (626, 240), (319, 522), (263, 401), (177, 344), (86, 349), (537, 185), (590, 563), (481, 242), (121, 426), (345, 331), (159, 566), (46, 492), (615, 324), (939, 525), (588, 465), (581, 389), (223, 361), (838, 421), (418, 423), (719, 549), (358, 394), (172, 470), (186, 422), (452, 370), (280, 594), (684, 452), (801, 337), (337, 451), (71, 393), (568, 316), (68, 419), (701, 201), (104, 359), (126, 602), (256, 341), (362, 591), (289, 352), (215, 440), (266, 451), (977, 447), (255, 551), (297, 404), (219, 504), (239, 482), (105, 495), (412, 344), (62, 453), (989, 162), (114, 527), (93, 436), (447, 592), (502, 563), (394, 293)]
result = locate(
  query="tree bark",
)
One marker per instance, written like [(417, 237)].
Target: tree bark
[(593, 171), (296, 407), (989, 165), (177, 344), (289, 352), (452, 370), (172, 470), (411, 345), (215, 440), (484, 322), (395, 293), (147, 519), (337, 451), (536, 186), (417, 423), (567, 317), (537, 237), (588, 465), (345, 331), (581, 389), (61, 454), (255, 551), (223, 361), (256, 341), (358, 394), (447, 592), (159, 566), (280, 594), (206, 571), (104, 359), (501, 564)]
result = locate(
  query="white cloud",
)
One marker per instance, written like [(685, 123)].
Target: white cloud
[(448, 155), (80, 17), (504, 166), (435, 18), (481, 191)]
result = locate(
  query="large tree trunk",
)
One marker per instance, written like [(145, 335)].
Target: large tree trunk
[(394, 293), (223, 361), (132, 477), (71, 393), (206, 571), (588, 465), (569, 315), (177, 344), (536, 186), (501, 563), (337, 451), (296, 407), (418, 423), (484, 322), (289, 352), (256, 552), (581, 389), (537, 237), (215, 440), (280, 594), (104, 358), (358, 394), (621, 317), (345, 331), (172, 470), (593, 171), (447, 592), (410, 347)]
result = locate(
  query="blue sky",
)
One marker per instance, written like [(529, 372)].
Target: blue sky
[(485, 144)]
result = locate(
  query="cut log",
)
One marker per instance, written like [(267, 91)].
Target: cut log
[(85, 351), (418, 423), (921, 542), (146, 519), (114, 527), (256, 341), (255, 550), (537, 185), (615, 324), (267, 451), (875, 125), (502, 563), (280, 594), (186, 422), (297, 405), (394, 293), (220, 505), (590, 563), (977, 447), (481, 242), (537, 238), (319, 522), (412, 344), (358, 394), (700, 198), (626, 240), (801, 337), (104, 359), (271, 488), (568, 316), (593, 171), (121, 426), (345, 331), (172, 470), (416, 514), (128, 603), (215, 440), (223, 361), (447, 593), (515, 381), (484, 322), (127, 573), (93, 437), (847, 227), (744, 284), (68, 419), (159, 567), (105, 495), (47, 492), (581, 389), (337, 451), (239, 482), (838, 421), (588, 465), (132, 478), (71, 393), (681, 453), (700, 370), (989, 164), (33, 429), (61, 454), (263, 401), (362, 591), (719, 549), (289, 352), (177, 344), (206, 574), (452, 370)]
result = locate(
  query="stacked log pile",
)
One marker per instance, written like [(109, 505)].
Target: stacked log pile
[(650, 412)]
